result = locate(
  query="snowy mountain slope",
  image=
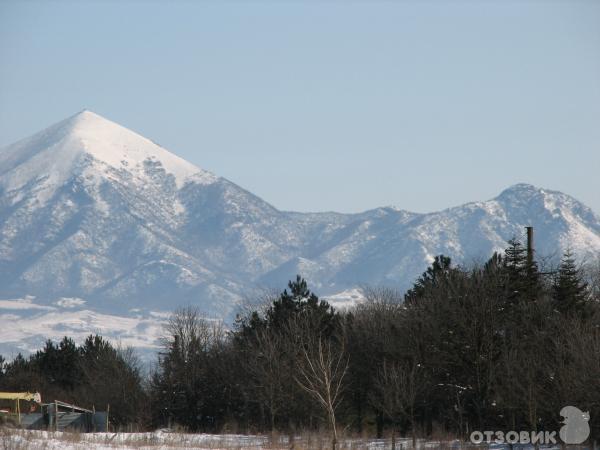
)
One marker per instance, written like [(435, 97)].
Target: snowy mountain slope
[(392, 247), (88, 208), (91, 210)]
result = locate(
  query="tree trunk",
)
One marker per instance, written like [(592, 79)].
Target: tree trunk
[(379, 425), (334, 429), (412, 427), (359, 418)]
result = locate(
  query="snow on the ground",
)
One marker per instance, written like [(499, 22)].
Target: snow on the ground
[(22, 303), (163, 439), (25, 325), (69, 302), (345, 299), (126, 441)]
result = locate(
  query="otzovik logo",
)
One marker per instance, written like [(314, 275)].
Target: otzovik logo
[(574, 431), (576, 428)]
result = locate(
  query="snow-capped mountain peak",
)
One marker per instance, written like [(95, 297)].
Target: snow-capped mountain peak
[(121, 148), (88, 145)]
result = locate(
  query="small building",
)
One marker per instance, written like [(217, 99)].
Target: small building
[(62, 416), (26, 410)]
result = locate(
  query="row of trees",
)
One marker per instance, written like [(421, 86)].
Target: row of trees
[(500, 346)]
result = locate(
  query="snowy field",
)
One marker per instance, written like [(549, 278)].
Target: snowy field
[(26, 324), (11, 439), (33, 440)]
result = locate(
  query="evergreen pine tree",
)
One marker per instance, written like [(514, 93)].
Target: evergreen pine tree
[(301, 301), (522, 276), (569, 290), (440, 268)]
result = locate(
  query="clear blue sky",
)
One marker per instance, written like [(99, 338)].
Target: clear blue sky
[(326, 105)]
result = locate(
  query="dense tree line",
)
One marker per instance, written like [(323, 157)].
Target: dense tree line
[(500, 346)]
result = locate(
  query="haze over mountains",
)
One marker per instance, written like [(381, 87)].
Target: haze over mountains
[(96, 219)]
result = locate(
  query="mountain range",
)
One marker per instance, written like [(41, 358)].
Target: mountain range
[(98, 221)]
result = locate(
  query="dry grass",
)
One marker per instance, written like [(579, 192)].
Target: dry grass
[(14, 439), (11, 439)]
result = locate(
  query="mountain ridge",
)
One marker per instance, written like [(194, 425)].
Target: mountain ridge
[(124, 224)]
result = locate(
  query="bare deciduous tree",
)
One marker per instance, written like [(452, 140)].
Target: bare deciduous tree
[(192, 331), (322, 368)]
